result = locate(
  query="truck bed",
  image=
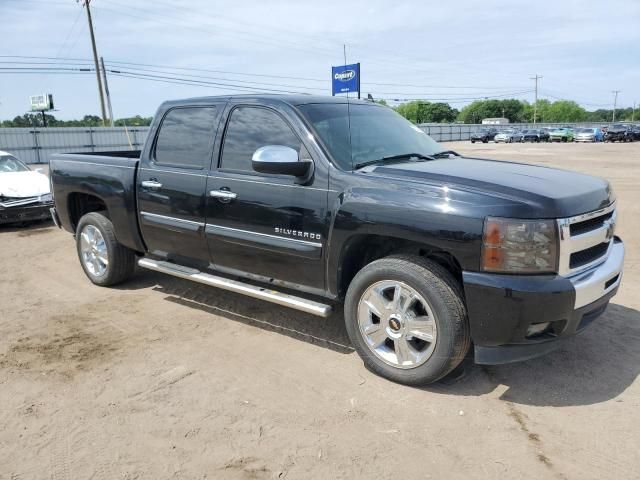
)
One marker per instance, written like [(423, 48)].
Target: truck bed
[(102, 180)]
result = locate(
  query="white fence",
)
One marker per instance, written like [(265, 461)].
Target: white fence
[(36, 145)]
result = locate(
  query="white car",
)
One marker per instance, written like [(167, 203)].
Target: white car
[(25, 194)]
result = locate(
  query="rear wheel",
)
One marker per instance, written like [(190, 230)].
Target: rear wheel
[(406, 318), (105, 261)]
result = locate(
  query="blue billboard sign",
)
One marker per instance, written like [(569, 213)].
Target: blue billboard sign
[(345, 79)]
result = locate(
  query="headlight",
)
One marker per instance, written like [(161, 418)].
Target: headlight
[(47, 197), (519, 246)]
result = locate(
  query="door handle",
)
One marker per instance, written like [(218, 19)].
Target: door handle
[(223, 194), (151, 184)]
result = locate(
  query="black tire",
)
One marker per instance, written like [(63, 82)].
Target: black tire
[(485, 141), (473, 141), (444, 295), (122, 260)]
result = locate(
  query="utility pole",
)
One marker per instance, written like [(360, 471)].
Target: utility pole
[(535, 78), (106, 91), (95, 59), (615, 102)]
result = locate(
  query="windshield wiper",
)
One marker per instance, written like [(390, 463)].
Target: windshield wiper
[(394, 158), (445, 153)]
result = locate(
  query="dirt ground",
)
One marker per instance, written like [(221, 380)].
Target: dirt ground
[(161, 378)]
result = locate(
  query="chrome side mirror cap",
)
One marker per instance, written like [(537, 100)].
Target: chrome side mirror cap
[(280, 160)]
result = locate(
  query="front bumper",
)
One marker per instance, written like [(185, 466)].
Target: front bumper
[(501, 308), (27, 213)]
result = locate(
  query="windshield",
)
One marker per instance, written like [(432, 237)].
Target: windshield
[(9, 163), (585, 130), (376, 132)]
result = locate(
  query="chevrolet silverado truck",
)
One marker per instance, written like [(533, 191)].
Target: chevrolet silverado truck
[(319, 203)]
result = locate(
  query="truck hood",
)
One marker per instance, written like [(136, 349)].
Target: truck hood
[(549, 192), (23, 184)]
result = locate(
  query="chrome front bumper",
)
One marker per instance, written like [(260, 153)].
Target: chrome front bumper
[(596, 282)]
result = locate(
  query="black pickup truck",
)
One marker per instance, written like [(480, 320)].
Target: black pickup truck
[(314, 202)]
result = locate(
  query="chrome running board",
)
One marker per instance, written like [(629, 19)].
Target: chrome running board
[(286, 300)]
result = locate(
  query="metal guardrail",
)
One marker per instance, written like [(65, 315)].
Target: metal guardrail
[(36, 145)]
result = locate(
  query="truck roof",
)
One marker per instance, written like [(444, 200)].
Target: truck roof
[(291, 99)]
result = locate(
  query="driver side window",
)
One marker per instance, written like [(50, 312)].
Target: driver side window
[(250, 128)]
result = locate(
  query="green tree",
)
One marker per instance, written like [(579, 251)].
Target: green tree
[(512, 109), (136, 121), (419, 111), (564, 111)]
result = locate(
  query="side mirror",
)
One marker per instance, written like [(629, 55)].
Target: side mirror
[(280, 160)]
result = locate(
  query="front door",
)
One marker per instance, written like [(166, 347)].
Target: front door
[(172, 181), (261, 224)]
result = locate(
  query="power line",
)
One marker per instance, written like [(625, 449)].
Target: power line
[(288, 77)]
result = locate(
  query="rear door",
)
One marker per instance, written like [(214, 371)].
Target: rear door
[(172, 180), (273, 227)]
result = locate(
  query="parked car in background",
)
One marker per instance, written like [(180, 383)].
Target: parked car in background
[(618, 132), (484, 135), (635, 132), (563, 134), (509, 135), (25, 194), (534, 135), (589, 135)]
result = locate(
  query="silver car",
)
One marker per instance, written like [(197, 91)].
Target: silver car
[(509, 135), (585, 135)]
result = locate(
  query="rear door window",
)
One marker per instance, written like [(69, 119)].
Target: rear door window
[(186, 137)]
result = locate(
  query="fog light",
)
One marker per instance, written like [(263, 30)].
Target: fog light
[(537, 328)]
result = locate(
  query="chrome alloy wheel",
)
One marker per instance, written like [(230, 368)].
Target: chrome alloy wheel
[(397, 324), (94, 251)]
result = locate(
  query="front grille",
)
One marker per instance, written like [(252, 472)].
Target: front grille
[(588, 225), (584, 257)]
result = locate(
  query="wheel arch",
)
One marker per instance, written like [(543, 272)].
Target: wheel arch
[(362, 249)]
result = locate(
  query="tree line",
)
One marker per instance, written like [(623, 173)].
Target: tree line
[(517, 111), (418, 111), (36, 120)]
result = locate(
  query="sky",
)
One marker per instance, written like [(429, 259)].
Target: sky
[(453, 51)]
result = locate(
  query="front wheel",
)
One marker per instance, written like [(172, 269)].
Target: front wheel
[(406, 318), (104, 260)]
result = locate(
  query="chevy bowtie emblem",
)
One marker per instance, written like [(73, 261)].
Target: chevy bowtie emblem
[(610, 226)]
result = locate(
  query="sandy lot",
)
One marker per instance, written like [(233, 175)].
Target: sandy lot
[(161, 378)]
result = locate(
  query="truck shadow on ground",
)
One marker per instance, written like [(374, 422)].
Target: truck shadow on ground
[(592, 367), (324, 332)]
